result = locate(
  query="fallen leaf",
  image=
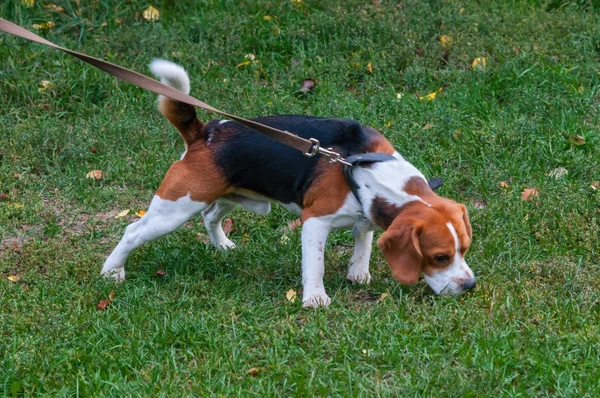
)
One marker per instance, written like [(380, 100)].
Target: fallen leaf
[(291, 295), (446, 41), (307, 85), (94, 174), (14, 278), (267, 17), (479, 63), (577, 140), (202, 237), (503, 184), (151, 14), (93, 150), (253, 371), (53, 7), (558, 173), (16, 205), (529, 194), (4, 196), (580, 89), (28, 3), (122, 214), (388, 124), (370, 68), (431, 96), (45, 85), (427, 126), (44, 25), (595, 185), (140, 213), (383, 296), (228, 226), (104, 303), (160, 272), (243, 64)]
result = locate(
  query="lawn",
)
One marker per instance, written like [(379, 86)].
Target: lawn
[(496, 97)]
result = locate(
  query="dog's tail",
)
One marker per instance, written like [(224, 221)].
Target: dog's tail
[(182, 116)]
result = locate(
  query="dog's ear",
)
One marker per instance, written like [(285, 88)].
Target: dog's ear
[(400, 246), (467, 222)]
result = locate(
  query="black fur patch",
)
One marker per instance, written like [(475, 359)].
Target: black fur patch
[(252, 161)]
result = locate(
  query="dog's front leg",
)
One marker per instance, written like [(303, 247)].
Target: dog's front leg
[(314, 237), (358, 269)]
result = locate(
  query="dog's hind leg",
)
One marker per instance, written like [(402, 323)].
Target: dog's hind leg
[(183, 193), (163, 216), (213, 215)]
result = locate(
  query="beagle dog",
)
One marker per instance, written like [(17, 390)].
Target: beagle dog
[(226, 164)]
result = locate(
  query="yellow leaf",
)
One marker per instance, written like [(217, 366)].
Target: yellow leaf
[(446, 41), (503, 184), (479, 63), (370, 68), (17, 205), (28, 3), (13, 278), (52, 7), (45, 85), (383, 296), (428, 97), (44, 25), (461, 11), (151, 14), (140, 213), (388, 124), (245, 63), (122, 214), (94, 174), (267, 17), (291, 295)]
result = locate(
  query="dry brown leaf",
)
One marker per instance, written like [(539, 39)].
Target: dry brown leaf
[(291, 295), (151, 14), (160, 272), (95, 174), (14, 278), (4, 196), (503, 184), (253, 371), (529, 194), (203, 238), (104, 303), (122, 213), (595, 185), (308, 85), (427, 126), (576, 140), (228, 226)]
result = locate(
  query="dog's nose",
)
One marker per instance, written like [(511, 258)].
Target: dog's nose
[(468, 285)]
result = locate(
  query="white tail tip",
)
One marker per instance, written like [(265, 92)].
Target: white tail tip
[(171, 74)]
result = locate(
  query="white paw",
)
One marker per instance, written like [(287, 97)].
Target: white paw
[(226, 245), (316, 301), (359, 276), (118, 274)]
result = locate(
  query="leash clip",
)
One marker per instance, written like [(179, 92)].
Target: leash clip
[(316, 148)]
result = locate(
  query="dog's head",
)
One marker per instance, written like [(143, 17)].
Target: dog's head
[(432, 240)]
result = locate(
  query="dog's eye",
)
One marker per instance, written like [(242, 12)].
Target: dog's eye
[(441, 258)]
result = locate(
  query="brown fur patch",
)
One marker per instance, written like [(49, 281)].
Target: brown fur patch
[(383, 212), (418, 186), (327, 192), (183, 117), (378, 143), (196, 175)]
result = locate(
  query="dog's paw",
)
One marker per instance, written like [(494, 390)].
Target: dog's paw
[(316, 301), (118, 274), (226, 245), (359, 276)]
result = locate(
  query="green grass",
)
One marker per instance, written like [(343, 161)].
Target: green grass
[(530, 328)]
